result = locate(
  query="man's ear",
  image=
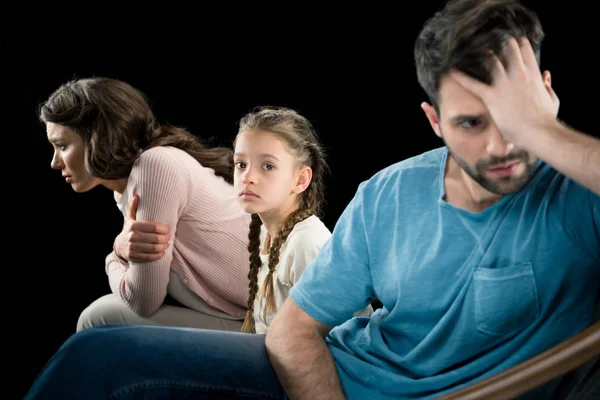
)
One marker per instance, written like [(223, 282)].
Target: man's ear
[(547, 79), (548, 83), (432, 117), (303, 180)]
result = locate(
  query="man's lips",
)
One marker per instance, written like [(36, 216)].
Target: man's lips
[(505, 165), (506, 169)]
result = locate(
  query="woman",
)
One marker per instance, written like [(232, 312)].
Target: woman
[(104, 133)]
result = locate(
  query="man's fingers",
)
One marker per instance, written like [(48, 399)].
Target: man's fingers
[(512, 55), (528, 55), (471, 84), (497, 69), (133, 207)]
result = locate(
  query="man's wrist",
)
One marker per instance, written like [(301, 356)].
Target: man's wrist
[(544, 132)]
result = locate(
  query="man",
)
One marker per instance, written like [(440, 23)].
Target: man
[(483, 253)]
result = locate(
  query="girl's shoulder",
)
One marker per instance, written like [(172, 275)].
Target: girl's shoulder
[(310, 230)]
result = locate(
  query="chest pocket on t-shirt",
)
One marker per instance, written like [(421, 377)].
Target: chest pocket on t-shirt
[(506, 299)]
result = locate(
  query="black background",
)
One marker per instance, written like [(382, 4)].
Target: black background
[(349, 69)]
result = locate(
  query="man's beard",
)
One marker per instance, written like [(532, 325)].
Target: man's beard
[(503, 185)]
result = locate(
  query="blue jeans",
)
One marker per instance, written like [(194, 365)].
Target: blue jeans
[(151, 362)]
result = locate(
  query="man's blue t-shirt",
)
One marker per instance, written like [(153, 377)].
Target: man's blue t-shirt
[(465, 295)]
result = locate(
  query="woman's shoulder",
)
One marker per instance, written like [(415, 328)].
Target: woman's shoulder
[(164, 153), (169, 158), (165, 158), (160, 167)]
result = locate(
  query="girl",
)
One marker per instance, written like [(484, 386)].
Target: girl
[(105, 134), (279, 178)]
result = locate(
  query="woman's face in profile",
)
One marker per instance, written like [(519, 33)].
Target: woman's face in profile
[(69, 157)]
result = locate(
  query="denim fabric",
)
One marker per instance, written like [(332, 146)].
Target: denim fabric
[(130, 362)]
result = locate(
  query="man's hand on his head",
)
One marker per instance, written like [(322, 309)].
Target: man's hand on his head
[(520, 99)]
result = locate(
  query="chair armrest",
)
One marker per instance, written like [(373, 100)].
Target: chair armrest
[(535, 372)]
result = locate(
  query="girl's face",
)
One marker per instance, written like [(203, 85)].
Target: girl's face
[(69, 157), (268, 177)]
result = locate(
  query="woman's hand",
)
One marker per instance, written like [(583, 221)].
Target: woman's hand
[(141, 241)]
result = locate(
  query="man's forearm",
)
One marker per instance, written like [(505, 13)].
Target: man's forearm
[(304, 365), (573, 153)]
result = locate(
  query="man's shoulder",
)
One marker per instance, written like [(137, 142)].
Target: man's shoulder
[(419, 167), (554, 186)]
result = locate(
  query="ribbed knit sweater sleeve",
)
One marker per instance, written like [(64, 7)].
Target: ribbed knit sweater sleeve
[(162, 184)]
